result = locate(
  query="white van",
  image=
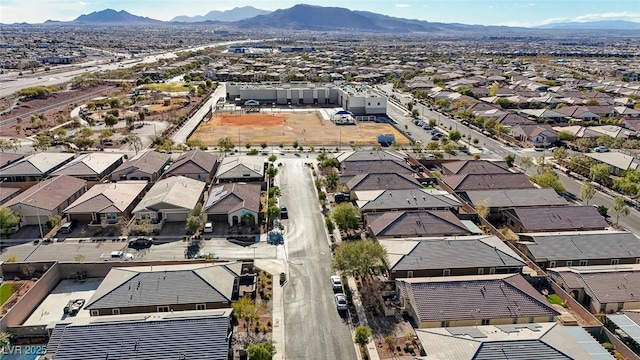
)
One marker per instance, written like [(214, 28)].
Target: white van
[(208, 227), (66, 227)]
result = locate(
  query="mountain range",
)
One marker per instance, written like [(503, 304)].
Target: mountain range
[(303, 17), (235, 14)]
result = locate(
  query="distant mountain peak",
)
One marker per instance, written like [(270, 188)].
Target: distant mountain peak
[(111, 16), (235, 14)]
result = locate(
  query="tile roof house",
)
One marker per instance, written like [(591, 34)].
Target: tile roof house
[(196, 164), (8, 158), (411, 199), (381, 181), (146, 166), (535, 341), (540, 135), (618, 162), (107, 203), (464, 167), (496, 201), (182, 335), (348, 169), (470, 182), (35, 167), (579, 112), (91, 167), (170, 199), (554, 218), (163, 288), (398, 224), (467, 255), (453, 301), (7, 193), (230, 202), (46, 199), (601, 289), (580, 248), (241, 169)]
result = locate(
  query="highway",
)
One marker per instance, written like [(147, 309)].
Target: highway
[(494, 149)]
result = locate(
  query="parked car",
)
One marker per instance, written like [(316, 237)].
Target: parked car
[(341, 302), (73, 307), (66, 227), (284, 214), (601, 149), (435, 132), (427, 127), (336, 283), (208, 228), (141, 242), (436, 137)]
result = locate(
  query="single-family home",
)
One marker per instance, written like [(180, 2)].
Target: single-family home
[(464, 167), (170, 199), (234, 203), (166, 288), (544, 114), (370, 155), (399, 224), (617, 161), (497, 201), (554, 218), (107, 204), (241, 169), (615, 131), (34, 168), (8, 193), (401, 200), (534, 341), (539, 135), (92, 167), (148, 165), (601, 289), (196, 164), (166, 335), (580, 248), (8, 158), (450, 256), (48, 198), (381, 181), (471, 182), (454, 301), (578, 112), (348, 169)]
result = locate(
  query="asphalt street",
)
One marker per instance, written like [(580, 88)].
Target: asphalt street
[(313, 327)]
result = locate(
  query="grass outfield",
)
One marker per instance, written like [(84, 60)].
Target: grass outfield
[(167, 87)]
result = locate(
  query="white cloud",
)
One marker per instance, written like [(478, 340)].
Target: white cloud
[(625, 15), (402, 5)]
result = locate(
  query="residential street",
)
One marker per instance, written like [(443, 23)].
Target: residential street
[(313, 327)]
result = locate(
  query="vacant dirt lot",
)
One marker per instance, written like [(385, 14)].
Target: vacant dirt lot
[(307, 128)]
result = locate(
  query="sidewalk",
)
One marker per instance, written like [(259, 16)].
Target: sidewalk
[(275, 267), (362, 317)]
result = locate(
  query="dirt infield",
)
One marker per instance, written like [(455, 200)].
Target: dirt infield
[(307, 128)]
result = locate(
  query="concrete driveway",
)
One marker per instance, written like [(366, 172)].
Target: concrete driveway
[(313, 327)]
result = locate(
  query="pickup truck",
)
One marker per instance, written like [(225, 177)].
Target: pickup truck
[(117, 255)]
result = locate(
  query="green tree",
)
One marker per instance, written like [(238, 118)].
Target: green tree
[(134, 142), (620, 207), (346, 216), (504, 103), (226, 144), (510, 160), (549, 179), (333, 180), (106, 133), (263, 145), (6, 145), (493, 91), (273, 212), (196, 219), (55, 220), (450, 148), (330, 225), (415, 113), (261, 351), (42, 143), (272, 158), (560, 154), (245, 309), (526, 162), (359, 257), (8, 218), (587, 191), (443, 103), (454, 135), (363, 334), (599, 172), (331, 162), (272, 171)]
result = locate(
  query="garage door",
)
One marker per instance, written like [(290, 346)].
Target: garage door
[(176, 216)]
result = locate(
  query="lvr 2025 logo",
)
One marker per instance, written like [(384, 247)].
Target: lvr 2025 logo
[(24, 350)]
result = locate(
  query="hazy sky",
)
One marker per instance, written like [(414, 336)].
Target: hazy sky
[(486, 12)]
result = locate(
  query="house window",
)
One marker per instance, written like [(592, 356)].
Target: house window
[(485, 321), (201, 306), (480, 271), (444, 323), (552, 264), (615, 261), (531, 320), (115, 311), (620, 306), (569, 263), (145, 216), (163, 309), (584, 262), (637, 260), (95, 313), (378, 104), (492, 270), (111, 217), (409, 274), (446, 272), (200, 176)]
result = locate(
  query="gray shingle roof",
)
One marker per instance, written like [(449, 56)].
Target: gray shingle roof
[(37, 164), (504, 198), (164, 285), (474, 297), (148, 162), (234, 167), (582, 245), (409, 199), (607, 284), (112, 197), (227, 198), (202, 160), (174, 192), (463, 167), (488, 181), (542, 218), (351, 168), (415, 223), (457, 253), (91, 164), (187, 338), (382, 181), (50, 193)]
